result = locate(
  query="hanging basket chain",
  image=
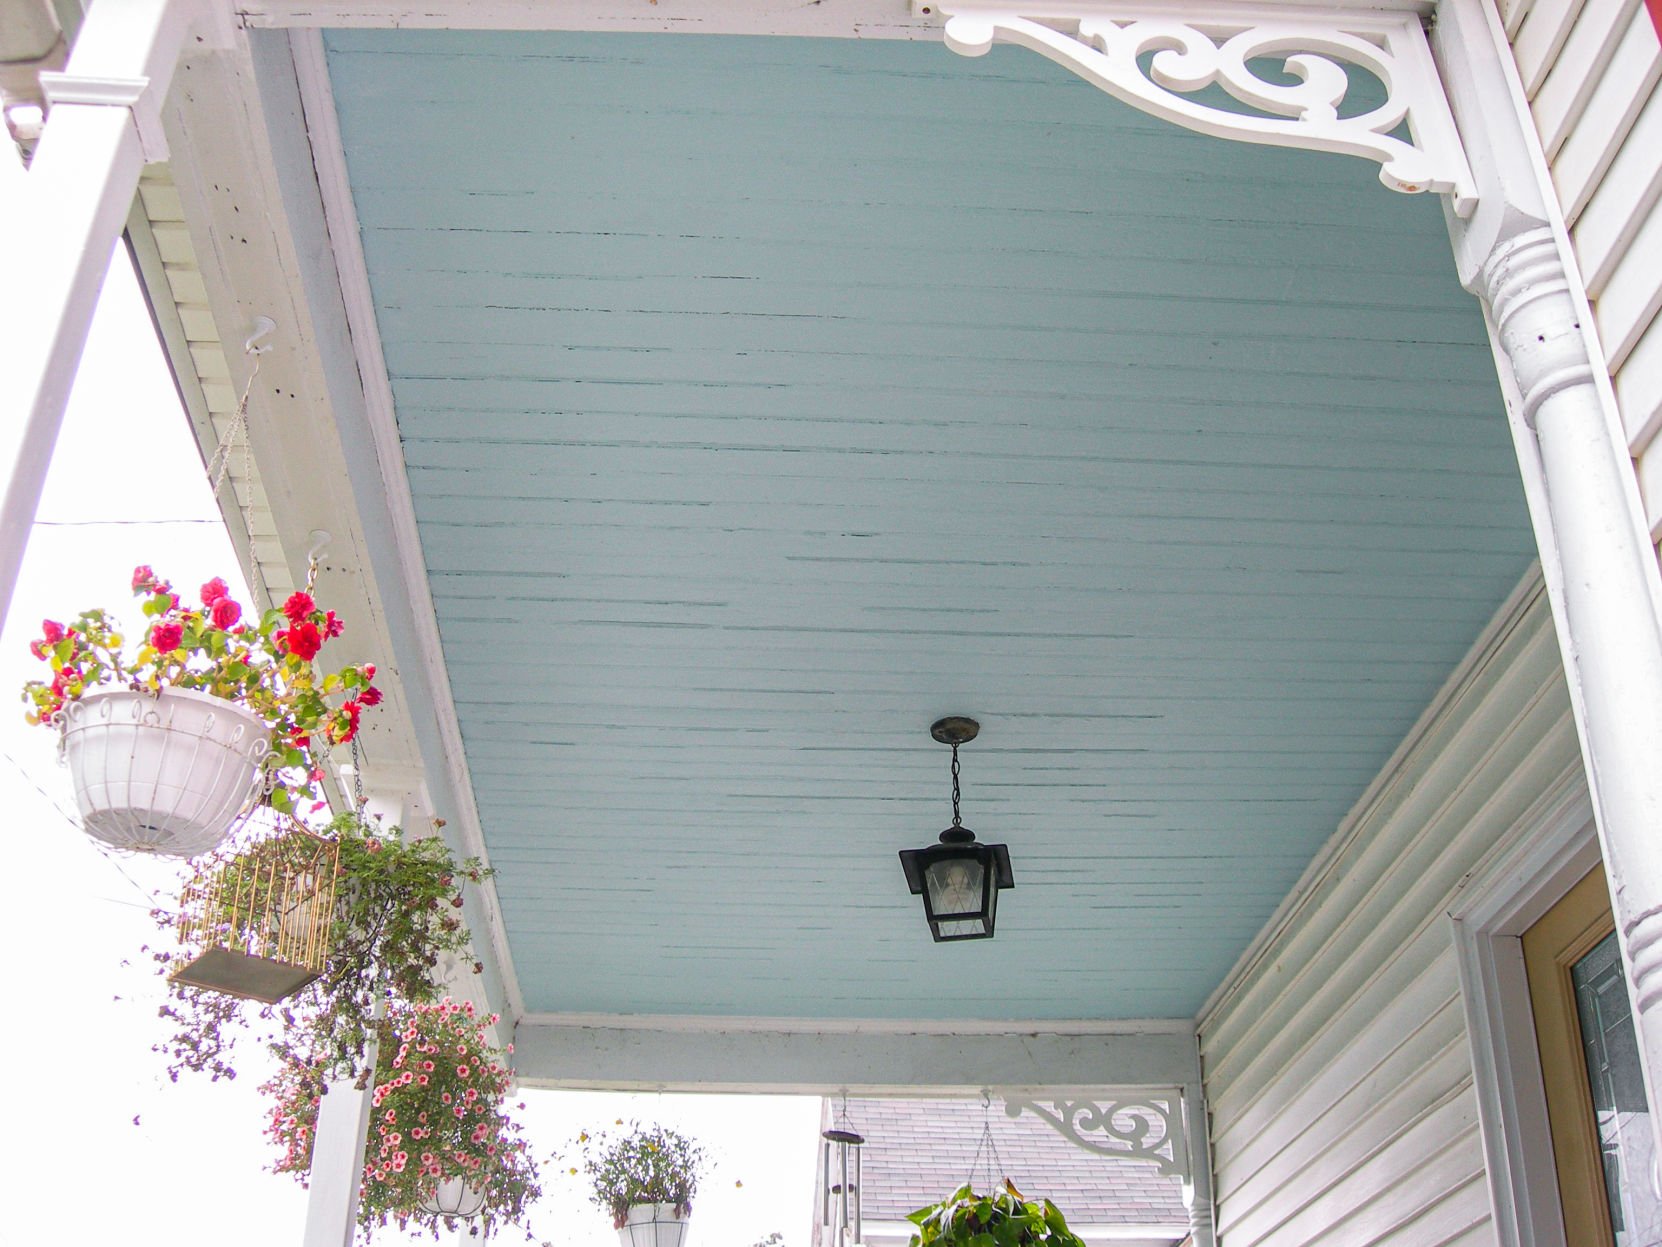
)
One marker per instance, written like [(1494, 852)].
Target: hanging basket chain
[(986, 1146), (957, 818), (220, 464)]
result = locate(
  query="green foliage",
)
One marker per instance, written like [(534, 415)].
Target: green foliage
[(395, 916), (647, 1165), (1002, 1219)]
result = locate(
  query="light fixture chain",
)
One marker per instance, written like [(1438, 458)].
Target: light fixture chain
[(957, 818)]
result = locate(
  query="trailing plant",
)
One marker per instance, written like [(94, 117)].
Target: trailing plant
[(437, 1114), (266, 665), (1004, 1218), (646, 1165), (394, 918)]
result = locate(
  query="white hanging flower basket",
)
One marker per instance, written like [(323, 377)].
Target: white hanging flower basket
[(454, 1198), (652, 1225), (169, 774)]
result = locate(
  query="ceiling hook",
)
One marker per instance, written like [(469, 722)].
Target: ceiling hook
[(264, 327)]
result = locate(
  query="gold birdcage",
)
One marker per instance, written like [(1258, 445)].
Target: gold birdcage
[(255, 923)]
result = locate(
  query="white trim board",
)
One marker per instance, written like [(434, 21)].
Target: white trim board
[(244, 167), (849, 19), (884, 1059), (1555, 847)]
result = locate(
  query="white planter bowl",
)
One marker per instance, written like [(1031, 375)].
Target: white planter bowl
[(168, 774), (652, 1225), (454, 1198)]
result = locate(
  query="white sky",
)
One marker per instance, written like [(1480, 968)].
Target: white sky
[(102, 1148)]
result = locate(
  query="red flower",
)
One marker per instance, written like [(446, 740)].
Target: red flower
[(53, 632), (368, 670), (303, 640), (370, 697), (341, 732), (225, 612), (298, 607), (144, 578), (332, 627), (166, 637), (213, 591)]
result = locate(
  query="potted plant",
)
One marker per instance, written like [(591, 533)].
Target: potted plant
[(1004, 1218), (645, 1179), (170, 741), (441, 1146)]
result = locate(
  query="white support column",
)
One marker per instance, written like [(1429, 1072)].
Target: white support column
[(338, 1161), (1600, 568), (58, 232), (1197, 1183)]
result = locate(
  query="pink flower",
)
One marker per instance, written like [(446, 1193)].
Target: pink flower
[(143, 578), (213, 591), (224, 612), (332, 627), (298, 607), (52, 631), (368, 670), (166, 637), (370, 696)]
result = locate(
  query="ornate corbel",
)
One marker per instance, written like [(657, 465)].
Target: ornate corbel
[(1146, 1126), (1155, 59)]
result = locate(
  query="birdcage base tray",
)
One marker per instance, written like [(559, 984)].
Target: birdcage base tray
[(237, 974)]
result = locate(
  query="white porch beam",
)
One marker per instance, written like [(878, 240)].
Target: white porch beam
[(1597, 559), (862, 1058), (60, 229), (849, 19)]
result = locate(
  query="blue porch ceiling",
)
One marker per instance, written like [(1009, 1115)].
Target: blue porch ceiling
[(763, 400)]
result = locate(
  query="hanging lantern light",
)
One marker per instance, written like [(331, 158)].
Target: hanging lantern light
[(840, 1198), (959, 878)]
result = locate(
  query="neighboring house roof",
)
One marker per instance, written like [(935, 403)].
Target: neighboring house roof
[(919, 1151)]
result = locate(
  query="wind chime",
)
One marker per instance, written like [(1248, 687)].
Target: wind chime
[(840, 1198)]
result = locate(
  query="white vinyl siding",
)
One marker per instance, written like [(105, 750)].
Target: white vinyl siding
[(1336, 1061), (1591, 69)]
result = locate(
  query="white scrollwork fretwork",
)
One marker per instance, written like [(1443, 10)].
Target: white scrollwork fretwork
[(1156, 61), (1148, 1127)]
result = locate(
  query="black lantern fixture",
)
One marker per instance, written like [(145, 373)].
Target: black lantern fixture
[(959, 878)]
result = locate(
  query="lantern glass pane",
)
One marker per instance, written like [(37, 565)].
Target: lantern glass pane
[(968, 928), (957, 887)]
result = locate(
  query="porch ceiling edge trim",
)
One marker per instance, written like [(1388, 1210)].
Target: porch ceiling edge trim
[(861, 19), (328, 166), (714, 1024), (761, 1055), (1526, 597)]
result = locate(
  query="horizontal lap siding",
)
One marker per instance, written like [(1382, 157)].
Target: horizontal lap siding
[(1337, 1068), (1591, 69)]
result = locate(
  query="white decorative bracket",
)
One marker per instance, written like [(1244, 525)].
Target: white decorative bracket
[(1155, 59), (1145, 1125)]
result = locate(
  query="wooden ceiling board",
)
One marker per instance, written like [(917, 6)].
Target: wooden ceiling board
[(764, 399)]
